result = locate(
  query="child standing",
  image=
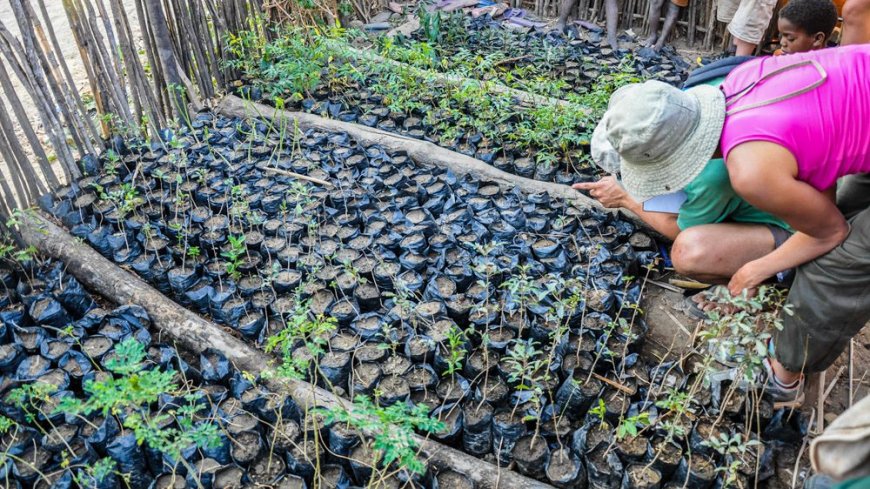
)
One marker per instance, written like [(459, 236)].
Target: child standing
[(656, 40), (806, 25)]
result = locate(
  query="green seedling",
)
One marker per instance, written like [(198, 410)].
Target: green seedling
[(392, 429), (630, 426), (132, 390), (234, 255)]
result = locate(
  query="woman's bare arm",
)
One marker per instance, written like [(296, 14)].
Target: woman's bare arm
[(765, 175), (610, 193)]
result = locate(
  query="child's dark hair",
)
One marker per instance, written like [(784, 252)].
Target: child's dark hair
[(811, 16)]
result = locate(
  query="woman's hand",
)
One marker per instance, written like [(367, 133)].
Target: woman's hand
[(748, 278), (608, 191)]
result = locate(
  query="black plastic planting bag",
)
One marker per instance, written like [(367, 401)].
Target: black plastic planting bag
[(103, 430), (15, 315), (130, 460), (506, 431), (531, 455), (220, 451), (32, 367), (250, 325), (182, 279), (787, 426), (565, 470), (641, 476), (604, 469), (76, 364), (11, 355), (342, 439), (575, 396), (695, 471), (134, 316), (198, 294), (47, 310), (214, 366), (74, 297)]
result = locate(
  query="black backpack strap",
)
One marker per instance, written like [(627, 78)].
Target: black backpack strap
[(714, 70)]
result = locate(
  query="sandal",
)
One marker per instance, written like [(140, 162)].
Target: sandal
[(693, 307)]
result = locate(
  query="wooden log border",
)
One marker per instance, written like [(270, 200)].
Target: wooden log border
[(195, 334)]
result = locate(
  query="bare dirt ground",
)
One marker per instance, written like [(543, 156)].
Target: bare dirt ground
[(670, 336), (58, 19)]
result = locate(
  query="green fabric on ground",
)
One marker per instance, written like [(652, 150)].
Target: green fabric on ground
[(710, 198)]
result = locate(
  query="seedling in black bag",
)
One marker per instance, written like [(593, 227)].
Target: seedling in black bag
[(528, 370), (677, 403), (132, 390), (21, 257), (112, 162), (6, 424), (455, 351), (391, 427), (741, 337), (628, 427), (312, 333), (30, 398), (732, 447), (96, 474), (234, 255), (599, 411)]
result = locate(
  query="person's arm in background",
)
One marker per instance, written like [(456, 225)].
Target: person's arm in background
[(764, 174), (610, 193), (856, 22)]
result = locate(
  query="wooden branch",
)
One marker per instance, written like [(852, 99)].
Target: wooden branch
[(423, 152), (833, 383), (526, 98), (612, 383), (166, 54), (177, 324), (299, 176)]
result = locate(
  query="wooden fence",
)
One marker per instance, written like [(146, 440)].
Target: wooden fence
[(696, 23), (139, 83)]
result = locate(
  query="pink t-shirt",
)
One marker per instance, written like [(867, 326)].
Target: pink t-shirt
[(827, 129)]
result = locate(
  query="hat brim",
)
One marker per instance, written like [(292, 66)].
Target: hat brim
[(603, 153), (644, 182)]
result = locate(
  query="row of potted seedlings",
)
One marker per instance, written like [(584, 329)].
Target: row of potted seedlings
[(320, 75), (575, 64), (400, 100), (511, 316), (91, 399)]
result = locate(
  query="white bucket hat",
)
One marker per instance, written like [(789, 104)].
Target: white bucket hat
[(658, 136)]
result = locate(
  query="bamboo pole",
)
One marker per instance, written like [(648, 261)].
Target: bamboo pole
[(28, 70)]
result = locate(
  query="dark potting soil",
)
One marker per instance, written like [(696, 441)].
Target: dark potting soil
[(482, 249), (453, 480), (50, 448)]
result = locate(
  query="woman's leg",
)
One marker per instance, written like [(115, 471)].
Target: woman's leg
[(670, 20), (714, 252), (830, 300), (611, 11)]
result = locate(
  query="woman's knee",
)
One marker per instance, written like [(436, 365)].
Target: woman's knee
[(689, 252)]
